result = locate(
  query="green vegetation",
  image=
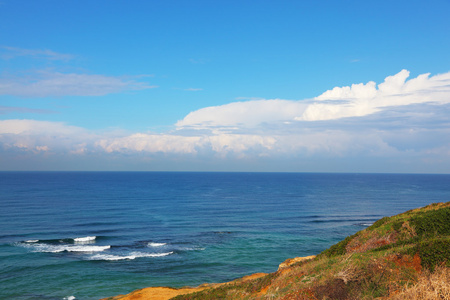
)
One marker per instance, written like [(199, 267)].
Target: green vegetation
[(432, 223), (387, 259)]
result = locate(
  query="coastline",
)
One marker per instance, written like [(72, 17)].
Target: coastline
[(165, 293), (405, 256)]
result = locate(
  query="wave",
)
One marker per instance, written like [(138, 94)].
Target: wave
[(63, 248), (77, 240), (132, 255), (365, 221), (365, 224), (151, 244), (86, 239), (192, 249)]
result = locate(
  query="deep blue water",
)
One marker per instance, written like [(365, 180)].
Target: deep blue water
[(90, 235)]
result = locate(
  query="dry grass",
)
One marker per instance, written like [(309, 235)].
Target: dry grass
[(349, 271), (434, 285)]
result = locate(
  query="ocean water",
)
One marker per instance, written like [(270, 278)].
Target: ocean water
[(89, 235)]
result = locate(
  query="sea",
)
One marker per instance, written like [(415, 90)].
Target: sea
[(91, 235)]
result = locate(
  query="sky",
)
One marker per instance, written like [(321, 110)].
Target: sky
[(255, 86)]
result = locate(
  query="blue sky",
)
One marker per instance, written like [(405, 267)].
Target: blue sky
[(299, 86)]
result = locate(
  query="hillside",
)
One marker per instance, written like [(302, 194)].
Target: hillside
[(406, 256)]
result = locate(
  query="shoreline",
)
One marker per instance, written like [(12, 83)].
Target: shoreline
[(165, 293)]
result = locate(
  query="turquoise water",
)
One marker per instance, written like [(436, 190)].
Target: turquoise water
[(89, 235)]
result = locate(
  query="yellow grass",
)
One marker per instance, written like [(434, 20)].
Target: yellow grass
[(430, 286)]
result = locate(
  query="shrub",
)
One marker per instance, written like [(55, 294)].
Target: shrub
[(433, 252), (379, 223), (339, 248), (432, 222)]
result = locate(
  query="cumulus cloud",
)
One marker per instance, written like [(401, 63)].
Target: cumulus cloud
[(249, 113), (44, 136), (49, 83), (151, 143), (398, 121), (61, 138), (364, 99), (356, 100)]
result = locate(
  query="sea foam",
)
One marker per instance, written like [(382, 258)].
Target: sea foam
[(133, 255), (85, 239), (62, 248), (151, 244)]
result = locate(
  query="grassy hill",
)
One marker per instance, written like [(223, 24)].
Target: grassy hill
[(406, 256)]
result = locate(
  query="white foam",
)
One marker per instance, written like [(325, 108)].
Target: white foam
[(85, 239), (133, 255), (32, 241), (69, 298), (87, 248), (367, 224), (192, 249), (62, 248), (156, 244)]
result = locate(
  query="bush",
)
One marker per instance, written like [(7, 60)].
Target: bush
[(433, 222), (379, 223), (433, 252), (339, 248)]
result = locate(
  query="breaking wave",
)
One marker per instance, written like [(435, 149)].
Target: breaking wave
[(131, 256), (85, 239), (151, 244), (39, 247)]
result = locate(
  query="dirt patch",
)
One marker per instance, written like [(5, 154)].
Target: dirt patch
[(358, 246), (334, 289), (407, 261), (303, 294)]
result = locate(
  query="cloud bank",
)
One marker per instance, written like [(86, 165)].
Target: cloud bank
[(397, 125)]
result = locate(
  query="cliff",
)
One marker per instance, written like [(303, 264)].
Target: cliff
[(406, 256)]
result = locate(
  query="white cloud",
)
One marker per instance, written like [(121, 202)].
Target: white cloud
[(249, 113), (32, 135), (399, 121), (151, 143), (365, 99), (37, 127), (356, 100), (48, 83)]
